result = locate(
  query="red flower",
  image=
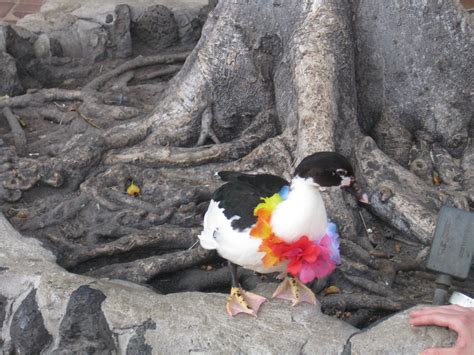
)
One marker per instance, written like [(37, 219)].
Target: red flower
[(306, 259)]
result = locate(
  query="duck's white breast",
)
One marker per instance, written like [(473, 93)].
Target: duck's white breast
[(236, 246)]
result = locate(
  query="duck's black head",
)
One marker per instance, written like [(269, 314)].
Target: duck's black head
[(330, 169)]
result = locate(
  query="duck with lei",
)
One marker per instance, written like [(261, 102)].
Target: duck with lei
[(266, 224)]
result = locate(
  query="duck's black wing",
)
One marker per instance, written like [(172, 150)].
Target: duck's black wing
[(243, 192)]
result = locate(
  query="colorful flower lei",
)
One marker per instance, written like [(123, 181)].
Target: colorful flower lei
[(306, 259)]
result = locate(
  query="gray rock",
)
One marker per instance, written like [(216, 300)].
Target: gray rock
[(27, 330), (118, 29), (3, 39), (137, 344), (42, 46), (84, 328), (19, 43), (3, 312), (395, 336), (10, 83), (156, 27)]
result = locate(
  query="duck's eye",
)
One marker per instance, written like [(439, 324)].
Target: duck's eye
[(341, 172)]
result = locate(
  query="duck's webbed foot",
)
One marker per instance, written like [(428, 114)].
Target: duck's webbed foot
[(295, 291), (241, 301)]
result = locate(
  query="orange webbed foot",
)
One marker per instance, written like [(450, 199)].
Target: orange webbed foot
[(241, 301), (294, 290)]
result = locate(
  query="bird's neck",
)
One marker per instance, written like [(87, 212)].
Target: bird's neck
[(302, 213)]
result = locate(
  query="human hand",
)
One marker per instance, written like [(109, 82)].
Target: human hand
[(459, 319)]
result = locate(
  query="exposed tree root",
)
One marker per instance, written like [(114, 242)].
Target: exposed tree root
[(373, 287), (360, 301), (137, 62), (206, 128), (399, 197), (39, 97), (261, 129), (170, 70), (142, 271), (160, 238), (57, 214), (17, 131)]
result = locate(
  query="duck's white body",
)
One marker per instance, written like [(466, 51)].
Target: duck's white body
[(301, 214)]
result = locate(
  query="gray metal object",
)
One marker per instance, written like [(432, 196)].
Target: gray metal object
[(452, 249), (461, 300)]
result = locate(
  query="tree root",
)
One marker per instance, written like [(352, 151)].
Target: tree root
[(360, 301), (261, 129), (40, 97), (142, 271), (373, 287), (57, 214), (19, 136), (170, 70), (161, 238), (399, 197), (137, 62), (206, 128)]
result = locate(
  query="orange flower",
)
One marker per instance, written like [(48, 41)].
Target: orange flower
[(267, 245), (262, 229)]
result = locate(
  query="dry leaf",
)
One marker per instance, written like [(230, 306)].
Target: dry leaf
[(331, 290), (133, 189)]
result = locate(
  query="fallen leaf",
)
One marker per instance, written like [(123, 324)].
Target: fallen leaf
[(331, 290), (133, 189)]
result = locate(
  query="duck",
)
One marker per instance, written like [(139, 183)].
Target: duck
[(267, 224)]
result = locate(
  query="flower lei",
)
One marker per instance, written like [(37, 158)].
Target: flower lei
[(306, 259)]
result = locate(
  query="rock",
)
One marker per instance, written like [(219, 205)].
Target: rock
[(97, 29), (3, 39), (3, 312), (10, 83), (84, 327), (27, 330), (42, 46), (137, 343), (395, 336), (19, 43), (118, 28), (156, 27)]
